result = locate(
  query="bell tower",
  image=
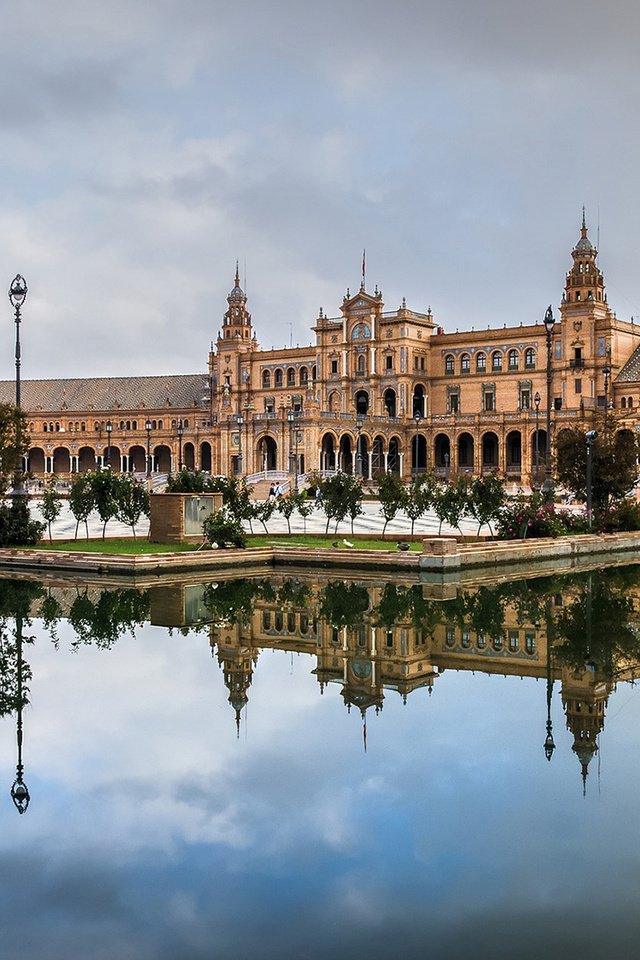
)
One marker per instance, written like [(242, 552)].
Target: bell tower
[(236, 323), (585, 282)]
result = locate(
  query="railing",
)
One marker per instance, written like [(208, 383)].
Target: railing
[(267, 475), (577, 363)]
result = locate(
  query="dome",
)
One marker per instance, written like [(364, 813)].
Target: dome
[(584, 244)]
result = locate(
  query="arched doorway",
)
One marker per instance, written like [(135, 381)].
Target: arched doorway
[(442, 453), (514, 452), (490, 450), (189, 456), (362, 402), (418, 454), (389, 401), (35, 460), (328, 453), (61, 460), (419, 406), (362, 457), (162, 457), (377, 457), (345, 460), (267, 453), (465, 453), (205, 456), (114, 461), (393, 457), (137, 460), (86, 459), (538, 454)]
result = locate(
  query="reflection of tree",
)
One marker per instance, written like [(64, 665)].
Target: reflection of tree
[(408, 603), (343, 604), (16, 598), (113, 613), (595, 629), (232, 601)]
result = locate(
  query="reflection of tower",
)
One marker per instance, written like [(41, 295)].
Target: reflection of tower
[(361, 686), (237, 662), (584, 699), (19, 791)]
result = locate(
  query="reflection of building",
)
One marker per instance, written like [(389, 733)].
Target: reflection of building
[(370, 660), (456, 401)]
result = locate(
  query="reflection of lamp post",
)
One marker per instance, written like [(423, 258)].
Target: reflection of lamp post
[(239, 421), (549, 324), (590, 437), (109, 429), (180, 429), (359, 458), (19, 790), (536, 400), (147, 427), (417, 417), (17, 296), (549, 745)]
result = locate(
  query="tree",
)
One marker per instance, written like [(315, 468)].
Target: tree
[(82, 499), (105, 493), (343, 604), (341, 497), (132, 501), (294, 502), (450, 501), (418, 497), (51, 504), (485, 500), (14, 442), (391, 494), (263, 510), (613, 464)]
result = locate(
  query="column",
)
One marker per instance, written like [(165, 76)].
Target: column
[(353, 462), (386, 461)]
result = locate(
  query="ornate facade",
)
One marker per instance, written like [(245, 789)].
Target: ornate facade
[(380, 390)]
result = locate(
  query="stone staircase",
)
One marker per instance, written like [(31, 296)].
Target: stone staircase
[(260, 489)]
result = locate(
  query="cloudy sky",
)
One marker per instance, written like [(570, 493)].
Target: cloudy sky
[(146, 145)]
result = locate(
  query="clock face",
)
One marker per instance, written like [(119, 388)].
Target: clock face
[(360, 303)]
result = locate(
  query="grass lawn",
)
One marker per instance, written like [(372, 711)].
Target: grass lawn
[(136, 547)]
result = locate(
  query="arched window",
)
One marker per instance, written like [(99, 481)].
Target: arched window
[(623, 403), (185, 424), (449, 364), (160, 424), (83, 426), (45, 427), (278, 378), (313, 373), (513, 359), (529, 358), (481, 362), (134, 425), (361, 369), (266, 379), (291, 377), (496, 360), (304, 376), (465, 363)]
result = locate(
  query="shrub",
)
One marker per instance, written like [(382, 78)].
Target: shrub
[(222, 529), (535, 518)]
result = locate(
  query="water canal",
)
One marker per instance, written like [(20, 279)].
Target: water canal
[(304, 767)]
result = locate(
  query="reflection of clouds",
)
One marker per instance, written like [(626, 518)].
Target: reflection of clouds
[(151, 821)]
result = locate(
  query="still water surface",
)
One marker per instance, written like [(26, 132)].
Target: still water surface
[(304, 768)]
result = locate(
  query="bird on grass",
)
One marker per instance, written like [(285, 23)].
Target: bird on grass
[(347, 543), (402, 545), (335, 544)]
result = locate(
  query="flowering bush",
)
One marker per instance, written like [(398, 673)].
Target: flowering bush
[(536, 518)]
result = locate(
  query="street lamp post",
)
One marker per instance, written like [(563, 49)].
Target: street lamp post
[(549, 745), (147, 427), (417, 417), (180, 429), (549, 324), (447, 461), (536, 400), (590, 437), (359, 457), (239, 421), (606, 370), (17, 296), (109, 429)]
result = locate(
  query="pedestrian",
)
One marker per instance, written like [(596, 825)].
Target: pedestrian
[(318, 497), (278, 490), (272, 492)]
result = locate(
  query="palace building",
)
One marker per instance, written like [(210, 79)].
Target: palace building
[(379, 390)]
